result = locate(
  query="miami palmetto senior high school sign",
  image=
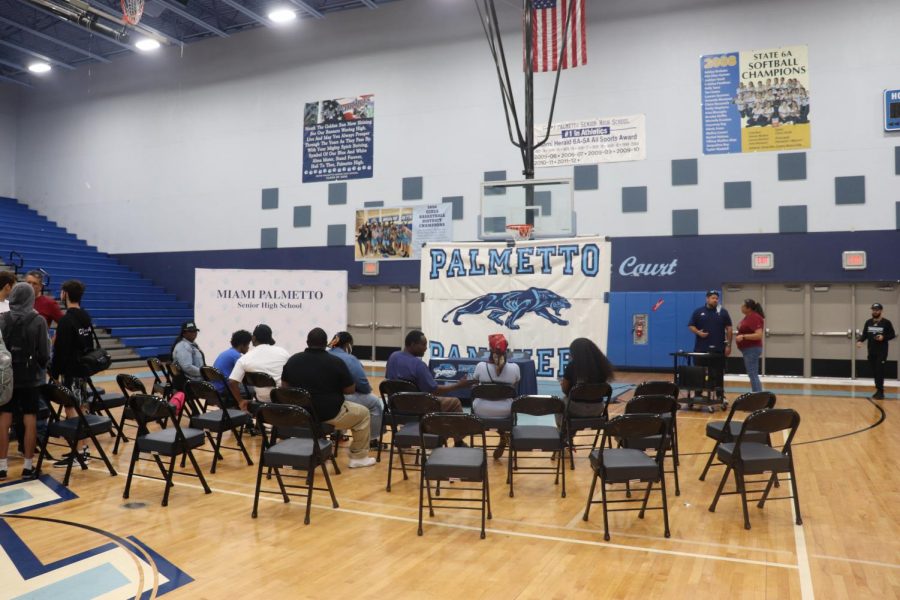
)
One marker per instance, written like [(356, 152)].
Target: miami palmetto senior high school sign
[(540, 294)]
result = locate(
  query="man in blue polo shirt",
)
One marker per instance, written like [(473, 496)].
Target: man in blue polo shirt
[(711, 324), (407, 364)]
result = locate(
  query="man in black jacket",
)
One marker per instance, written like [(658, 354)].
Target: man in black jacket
[(878, 332), (25, 335), (73, 339)]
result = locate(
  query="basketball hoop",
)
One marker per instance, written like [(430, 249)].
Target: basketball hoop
[(132, 10), (520, 232)]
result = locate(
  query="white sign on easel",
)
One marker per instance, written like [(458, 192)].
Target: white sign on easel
[(290, 302)]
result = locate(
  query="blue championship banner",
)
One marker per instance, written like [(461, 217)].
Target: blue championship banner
[(338, 136), (540, 294)]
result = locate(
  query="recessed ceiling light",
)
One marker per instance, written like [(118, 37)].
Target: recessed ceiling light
[(282, 15), (146, 45), (39, 67)]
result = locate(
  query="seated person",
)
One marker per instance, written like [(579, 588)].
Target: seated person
[(496, 370), (407, 364), (341, 346), (587, 364), (240, 345), (328, 380), (187, 355), (263, 357)]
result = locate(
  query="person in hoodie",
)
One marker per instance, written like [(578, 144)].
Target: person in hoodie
[(25, 335)]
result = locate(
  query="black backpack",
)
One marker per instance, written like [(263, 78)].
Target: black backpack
[(24, 364)]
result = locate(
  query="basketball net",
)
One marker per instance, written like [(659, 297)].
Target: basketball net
[(132, 11), (521, 232)]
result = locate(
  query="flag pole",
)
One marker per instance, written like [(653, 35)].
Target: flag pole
[(527, 30)]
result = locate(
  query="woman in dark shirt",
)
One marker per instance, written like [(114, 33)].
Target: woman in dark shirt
[(587, 364)]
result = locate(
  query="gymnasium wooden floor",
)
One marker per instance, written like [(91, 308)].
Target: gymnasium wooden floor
[(537, 544)]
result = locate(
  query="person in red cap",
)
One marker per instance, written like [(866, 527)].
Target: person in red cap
[(497, 369)]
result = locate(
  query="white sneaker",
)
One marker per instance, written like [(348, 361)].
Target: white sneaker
[(357, 463)]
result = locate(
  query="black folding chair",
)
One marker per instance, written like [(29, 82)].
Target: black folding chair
[(385, 389), (103, 403), (300, 397), (253, 380), (228, 418), (73, 429), (171, 441), (728, 430), (745, 457), (495, 392), (592, 397), (546, 438), (460, 463), (667, 408), (406, 410), (622, 465), (664, 388), (129, 384), (215, 376), (162, 381), (303, 453)]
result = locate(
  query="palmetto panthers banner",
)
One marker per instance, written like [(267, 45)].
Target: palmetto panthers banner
[(539, 294)]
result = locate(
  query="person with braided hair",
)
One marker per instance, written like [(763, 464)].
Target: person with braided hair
[(497, 369)]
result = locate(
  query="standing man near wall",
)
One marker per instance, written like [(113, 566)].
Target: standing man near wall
[(711, 324), (878, 332)]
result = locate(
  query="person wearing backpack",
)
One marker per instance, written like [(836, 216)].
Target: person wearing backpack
[(25, 335), (74, 338)]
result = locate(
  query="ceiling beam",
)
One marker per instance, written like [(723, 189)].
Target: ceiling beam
[(54, 40), (370, 3), (140, 28), (62, 19), (189, 17), (307, 8), (13, 65), (29, 52), (11, 80), (247, 12)]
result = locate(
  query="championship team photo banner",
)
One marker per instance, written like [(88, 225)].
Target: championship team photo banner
[(290, 302), (540, 294)]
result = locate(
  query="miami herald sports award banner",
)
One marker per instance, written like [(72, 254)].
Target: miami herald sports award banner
[(290, 302), (592, 141), (755, 100), (539, 294)]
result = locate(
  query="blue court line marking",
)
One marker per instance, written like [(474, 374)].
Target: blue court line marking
[(29, 566), (64, 494), (88, 584), (14, 497), (805, 392), (109, 378)]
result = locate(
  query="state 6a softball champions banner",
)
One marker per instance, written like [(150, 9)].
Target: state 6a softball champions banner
[(756, 100), (540, 294)]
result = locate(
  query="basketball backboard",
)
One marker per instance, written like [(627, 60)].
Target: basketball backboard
[(544, 203)]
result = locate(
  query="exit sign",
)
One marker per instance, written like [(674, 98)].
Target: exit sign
[(762, 261), (854, 260), (370, 268)]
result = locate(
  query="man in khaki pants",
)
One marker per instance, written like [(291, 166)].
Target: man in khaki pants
[(327, 379)]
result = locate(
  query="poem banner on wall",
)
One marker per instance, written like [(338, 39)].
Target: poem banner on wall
[(338, 139), (398, 233), (540, 294), (592, 141), (756, 100), (290, 302)]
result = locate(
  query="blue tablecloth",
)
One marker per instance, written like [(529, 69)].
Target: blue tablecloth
[(449, 370)]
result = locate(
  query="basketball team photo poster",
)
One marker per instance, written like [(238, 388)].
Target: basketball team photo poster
[(756, 100), (291, 302), (540, 294)]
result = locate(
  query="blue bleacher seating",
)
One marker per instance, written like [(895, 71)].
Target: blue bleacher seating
[(134, 310)]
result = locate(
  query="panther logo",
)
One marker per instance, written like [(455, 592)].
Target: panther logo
[(517, 303)]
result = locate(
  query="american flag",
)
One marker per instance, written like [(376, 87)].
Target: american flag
[(547, 34)]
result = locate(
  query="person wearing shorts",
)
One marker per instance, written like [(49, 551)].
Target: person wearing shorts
[(25, 335)]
